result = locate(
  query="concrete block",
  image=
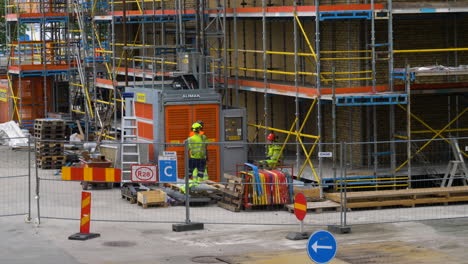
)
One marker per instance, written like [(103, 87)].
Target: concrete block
[(187, 227), (298, 235), (338, 229)]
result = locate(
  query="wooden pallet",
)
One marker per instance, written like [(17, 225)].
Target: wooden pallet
[(51, 158), (49, 145), (49, 152), (49, 121), (50, 162), (131, 199), (146, 205), (232, 193), (48, 166), (265, 207), (318, 207), (403, 197), (50, 136)]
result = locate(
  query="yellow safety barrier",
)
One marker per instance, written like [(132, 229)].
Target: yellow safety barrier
[(430, 50)]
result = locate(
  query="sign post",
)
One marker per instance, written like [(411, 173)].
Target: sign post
[(167, 168), (300, 210), (321, 247)]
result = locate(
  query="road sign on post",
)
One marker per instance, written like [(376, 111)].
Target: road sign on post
[(300, 210), (167, 168), (144, 173), (300, 206), (321, 247)]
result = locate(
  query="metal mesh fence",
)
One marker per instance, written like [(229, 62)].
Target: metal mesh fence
[(360, 183), (15, 177)]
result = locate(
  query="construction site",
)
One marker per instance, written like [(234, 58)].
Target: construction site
[(364, 101)]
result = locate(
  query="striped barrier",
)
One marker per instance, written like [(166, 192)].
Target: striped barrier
[(91, 174), (85, 219)]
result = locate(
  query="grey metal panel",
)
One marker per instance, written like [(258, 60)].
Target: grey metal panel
[(191, 97), (233, 152)]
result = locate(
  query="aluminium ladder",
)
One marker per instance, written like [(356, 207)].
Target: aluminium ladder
[(456, 169), (129, 150)]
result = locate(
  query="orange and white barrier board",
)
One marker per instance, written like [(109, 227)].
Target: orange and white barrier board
[(85, 219), (91, 174), (85, 212)]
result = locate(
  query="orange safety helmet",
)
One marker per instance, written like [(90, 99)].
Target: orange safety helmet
[(271, 136)]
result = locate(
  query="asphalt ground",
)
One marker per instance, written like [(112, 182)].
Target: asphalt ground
[(437, 241)]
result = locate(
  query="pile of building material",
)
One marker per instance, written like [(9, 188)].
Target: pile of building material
[(12, 135), (259, 189), (50, 134)]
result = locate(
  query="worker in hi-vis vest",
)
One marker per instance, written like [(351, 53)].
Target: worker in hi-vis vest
[(201, 132), (274, 153), (197, 144)]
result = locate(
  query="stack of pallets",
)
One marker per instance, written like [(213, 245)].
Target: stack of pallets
[(233, 193), (49, 134)]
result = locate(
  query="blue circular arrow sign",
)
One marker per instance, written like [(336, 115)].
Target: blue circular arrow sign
[(321, 247)]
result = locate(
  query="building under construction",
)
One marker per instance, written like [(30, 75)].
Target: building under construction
[(325, 71)]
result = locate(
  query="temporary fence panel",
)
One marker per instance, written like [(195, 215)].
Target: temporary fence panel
[(351, 192), (15, 177), (61, 198)]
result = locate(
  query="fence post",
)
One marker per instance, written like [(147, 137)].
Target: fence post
[(188, 225), (28, 216), (37, 221), (343, 228)]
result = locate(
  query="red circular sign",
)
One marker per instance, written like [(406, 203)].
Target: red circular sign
[(300, 206), (144, 173)]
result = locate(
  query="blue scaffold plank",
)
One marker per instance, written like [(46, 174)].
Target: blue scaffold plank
[(102, 4), (154, 19), (96, 59), (353, 14), (44, 73), (33, 20), (372, 100), (383, 153), (400, 74)]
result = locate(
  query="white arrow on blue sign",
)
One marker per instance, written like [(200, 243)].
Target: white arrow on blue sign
[(321, 247), (167, 169)]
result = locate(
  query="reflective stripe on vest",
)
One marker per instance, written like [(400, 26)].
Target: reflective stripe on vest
[(196, 148), (275, 152)]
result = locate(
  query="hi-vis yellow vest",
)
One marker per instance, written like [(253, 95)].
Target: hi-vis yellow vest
[(196, 147)]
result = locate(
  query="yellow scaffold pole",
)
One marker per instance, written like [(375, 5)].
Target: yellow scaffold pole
[(431, 129), (435, 136)]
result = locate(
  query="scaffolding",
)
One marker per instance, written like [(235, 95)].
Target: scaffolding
[(329, 58)]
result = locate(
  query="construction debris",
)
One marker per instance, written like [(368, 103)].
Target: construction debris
[(12, 135)]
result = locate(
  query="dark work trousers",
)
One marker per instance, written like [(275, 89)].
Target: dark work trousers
[(199, 164)]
